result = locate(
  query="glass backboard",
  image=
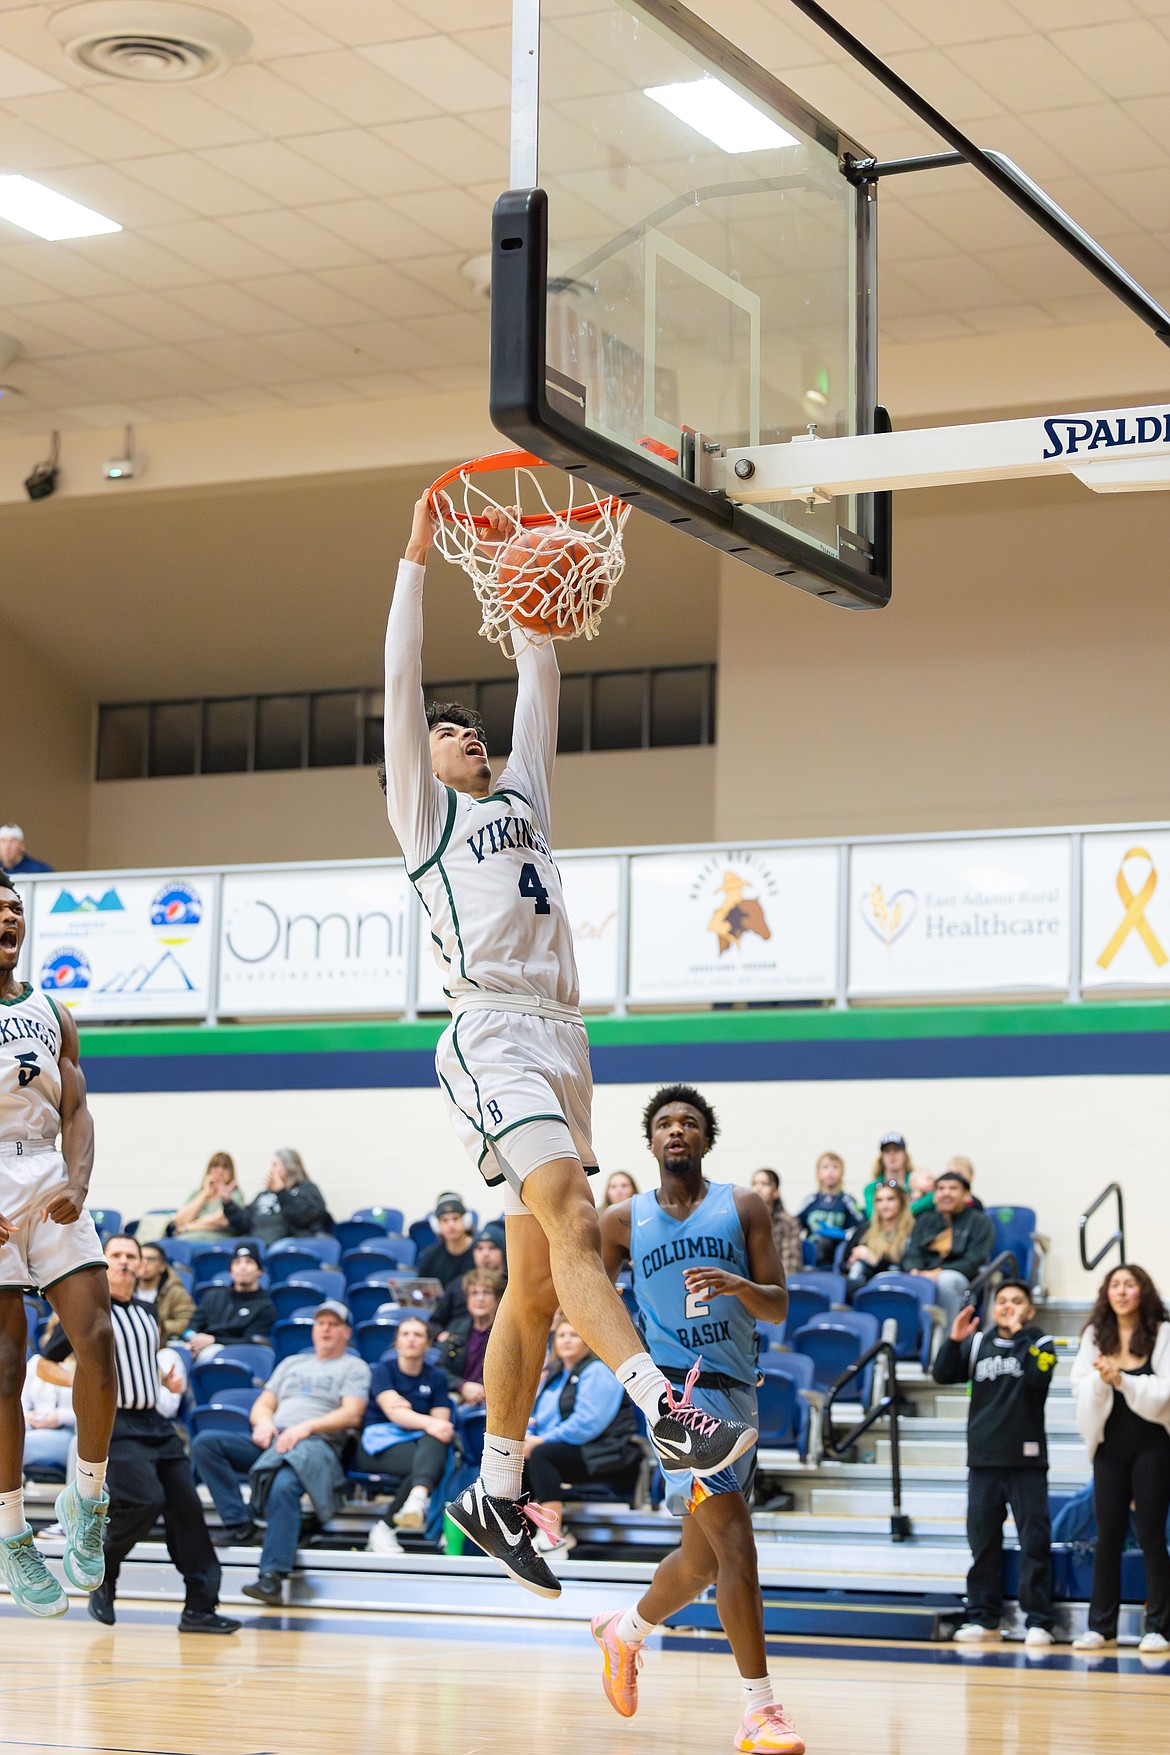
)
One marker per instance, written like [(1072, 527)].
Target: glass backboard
[(681, 266)]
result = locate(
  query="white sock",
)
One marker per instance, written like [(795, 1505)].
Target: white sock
[(91, 1479), (502, 1467), (418, 1496), (11, 1514), (756, 1694), (644, 1384), (633, 1628)]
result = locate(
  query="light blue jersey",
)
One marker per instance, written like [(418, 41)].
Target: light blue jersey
[(680, 1325)]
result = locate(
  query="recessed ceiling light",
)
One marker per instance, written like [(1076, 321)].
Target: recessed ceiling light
[(712, 108), (48, 214)]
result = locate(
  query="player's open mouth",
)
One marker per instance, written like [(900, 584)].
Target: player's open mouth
[(8, 939)]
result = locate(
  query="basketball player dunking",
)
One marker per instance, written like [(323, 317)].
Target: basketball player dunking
[(514, 1062), (705, 1271), (48, 1244)]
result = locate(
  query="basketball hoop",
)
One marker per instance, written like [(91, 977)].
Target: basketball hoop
[(553, 571)]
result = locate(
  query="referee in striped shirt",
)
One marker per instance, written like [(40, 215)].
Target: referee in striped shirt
[(149, 1474)]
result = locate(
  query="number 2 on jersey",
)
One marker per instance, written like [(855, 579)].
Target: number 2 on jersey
[(696, 1307), (530, 885)]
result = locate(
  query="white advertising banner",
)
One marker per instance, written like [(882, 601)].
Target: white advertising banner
[(1125, 909), (329, 941), (114, 947), (733, 924), (930, 917), (592, 898)]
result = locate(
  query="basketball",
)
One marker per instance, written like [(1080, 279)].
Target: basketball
[(549, 580)]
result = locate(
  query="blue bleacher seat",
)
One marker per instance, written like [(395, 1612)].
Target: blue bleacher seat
[(329, 1282), (107, 1219), (1015, 1228), (366, 1298), (221, 1416), (835, 1341), (376, 1336), (784, 1414), (258, 1357), (293, 1335), (389, 1218), (820, 1280), (375, 1258), (294, 1254), (212, 1376), (179, 1250), (808, 1251), (207, 1261), (771, 1335), (904, 1299), (352, 1232), (299, 1293)]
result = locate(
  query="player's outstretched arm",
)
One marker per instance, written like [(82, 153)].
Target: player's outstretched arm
[(534, 727), (414, 798), (764, 1295), (76, 1131)]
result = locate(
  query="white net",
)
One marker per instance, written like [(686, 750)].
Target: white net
[(549, 570)]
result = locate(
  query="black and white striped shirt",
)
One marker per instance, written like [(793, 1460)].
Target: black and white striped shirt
[(136, 1353)]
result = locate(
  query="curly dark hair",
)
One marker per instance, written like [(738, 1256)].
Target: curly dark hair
[(443, 713), (1151, 1314), (6, 883), (679, 1094)]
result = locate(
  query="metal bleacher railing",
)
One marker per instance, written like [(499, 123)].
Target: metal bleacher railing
[(1116, 1236)]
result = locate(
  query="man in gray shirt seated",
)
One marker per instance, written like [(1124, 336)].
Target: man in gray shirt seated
[(300, 1422)]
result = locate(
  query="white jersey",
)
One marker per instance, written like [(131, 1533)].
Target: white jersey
[(30, 1071), (482, 866)]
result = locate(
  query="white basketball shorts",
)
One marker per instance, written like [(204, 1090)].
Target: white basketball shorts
[(39, 1252), (519, 1092)]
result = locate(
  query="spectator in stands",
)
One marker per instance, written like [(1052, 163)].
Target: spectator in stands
[(965, 1168), (300, 1423), (202, 1218), (785, 1227), (160, 1285), (488, 1252), (1121, 1386), (950, 1243), (921, 1186), (15, 857), (620, 1186), (463, 1350), (583, 1431), (878, 1244), (893, 1164), (242, 1311), (446, 1259), (289, 1206), (830, 1214), (1010, 1372), (407, 1434), (49, 1420)]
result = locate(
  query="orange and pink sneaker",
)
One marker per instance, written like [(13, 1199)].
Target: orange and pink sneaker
[(622, 1663), (768, 1730)]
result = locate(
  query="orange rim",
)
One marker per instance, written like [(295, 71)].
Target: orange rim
[(529, 520)]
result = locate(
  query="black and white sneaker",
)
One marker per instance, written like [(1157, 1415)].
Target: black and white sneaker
[(503, 1528), (684, 1437)]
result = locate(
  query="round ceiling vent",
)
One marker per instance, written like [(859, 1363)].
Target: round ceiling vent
[(155, 42)]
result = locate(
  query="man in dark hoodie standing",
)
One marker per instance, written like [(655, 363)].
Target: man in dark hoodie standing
[(1010, 1370)]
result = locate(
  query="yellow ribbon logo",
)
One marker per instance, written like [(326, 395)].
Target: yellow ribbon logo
[(1135, 913)]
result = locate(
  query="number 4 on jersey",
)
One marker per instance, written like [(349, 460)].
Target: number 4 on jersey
[(530, 885)]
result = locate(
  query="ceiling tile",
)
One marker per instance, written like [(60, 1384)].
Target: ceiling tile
[(280, 30), (374, 227), (37, 340), (903, 233), (456, 216), (453, 15), (91, 127), (85, 325), (179, 117), (20, 289), (383, 386), (1127, 58), (315, 392), (242, 361), (295, 242), (228, 308), (310, 299), (1052, 15), (356, 22), (1041, 272), (853, 103), (1152, 114), (215, 248), (1026, 74), (158, 318), (257, 95), (456, 377), (108, 189), (21, 79), (961, 23), (1095, 138), (1007, 319), (143, 263), (945, 85), (386, 290), (353, 86), (244, 399), (283, 177), (1143, 195), (175, 408), (394, 344), (1095, 207), (71, 272), (321, 355), (930, 326), (1089, 307), (370, 161), (462, 335), (1022, 142), (28, 149), (188, 178), (958, 283), (446, 73), (450, 148), (106, 414), (974, 216)]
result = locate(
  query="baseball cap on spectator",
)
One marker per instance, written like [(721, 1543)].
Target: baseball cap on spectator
[(892, 1139), (448, 1203), (334, 1307), (492, 1233), (248, 1249)]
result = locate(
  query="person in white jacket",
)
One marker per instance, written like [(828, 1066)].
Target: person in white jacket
[(1121, 1385)]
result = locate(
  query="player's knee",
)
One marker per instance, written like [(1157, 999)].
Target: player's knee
[(12, 1369), (92, 1339), (576, 1225)]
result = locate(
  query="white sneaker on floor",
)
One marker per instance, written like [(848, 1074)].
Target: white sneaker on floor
[(559, 1544), (971, 1633), (1153, 1643), (1091, 1641), (383, 1540), (413, 1515), (1038, 1636)]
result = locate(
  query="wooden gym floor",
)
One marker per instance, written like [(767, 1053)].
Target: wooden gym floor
[(356, 1684)]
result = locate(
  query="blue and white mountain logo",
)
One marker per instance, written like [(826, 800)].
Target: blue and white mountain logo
[(109, 902)]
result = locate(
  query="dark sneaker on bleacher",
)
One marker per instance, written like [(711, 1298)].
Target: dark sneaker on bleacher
[(502, 1529), (267, 1588)]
